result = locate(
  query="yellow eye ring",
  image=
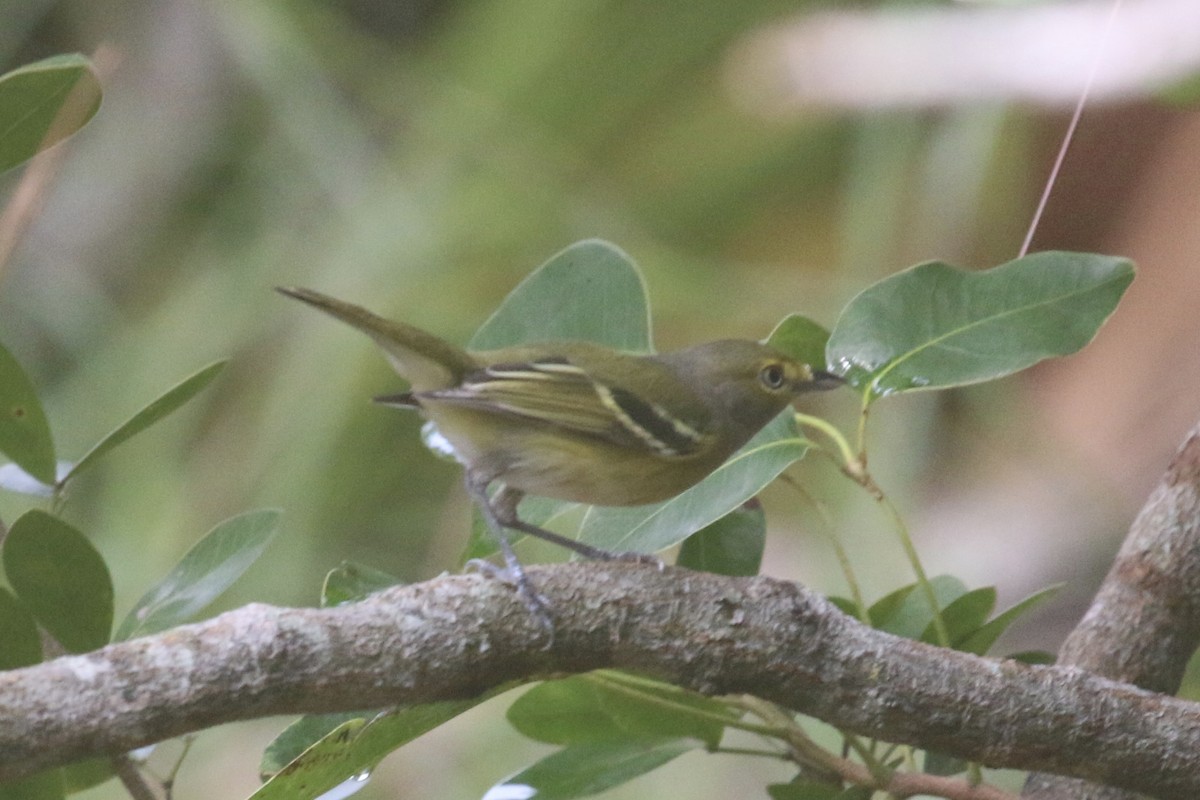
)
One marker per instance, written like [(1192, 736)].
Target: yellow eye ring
[(773, 376)]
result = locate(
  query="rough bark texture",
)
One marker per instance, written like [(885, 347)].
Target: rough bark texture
[(1144, 623), (454, 637)]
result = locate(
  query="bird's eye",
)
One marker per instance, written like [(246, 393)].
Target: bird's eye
[(772, 376)]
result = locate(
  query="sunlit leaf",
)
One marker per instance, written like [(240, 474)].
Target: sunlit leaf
[(732, 545), (935, 326), (60, 577), (43, 103), (169, 401), (583, 770), (207, 570), (24, 431)]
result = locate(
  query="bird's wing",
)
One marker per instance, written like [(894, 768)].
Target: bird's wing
[(556, 392)]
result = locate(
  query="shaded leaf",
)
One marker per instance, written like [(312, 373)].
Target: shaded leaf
[(61, 578), (591, 291), (611, 707), (934, 326), (207, 570), (800, 338), (24, 431), (655, 527), (810, 790), (963, 615), (982, 639), (911, 615), (85, 774), (304, 762), (942, 764), (21, 646), (350, 582), (732, 545), (583, 770), (46, 785), (32, 99), (169, 401)]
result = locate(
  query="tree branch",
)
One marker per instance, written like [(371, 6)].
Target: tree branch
[(1144, 623), (454, 637)]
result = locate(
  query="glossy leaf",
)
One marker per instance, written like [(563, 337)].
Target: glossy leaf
[(350, 582), (732, 545), (24, 431), (800, 338), (611, 707), (61, 578), (591, 291), (935, 326), (981, 640), (207, 570), (963, 615), (21, 646), (651, 528), (583, 770), (310, 757), (43, 103), (168, 402)]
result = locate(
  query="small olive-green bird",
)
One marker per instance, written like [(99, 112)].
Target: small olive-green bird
[(579, 421)]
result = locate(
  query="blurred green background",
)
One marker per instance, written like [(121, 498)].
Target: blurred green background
[(422, 157)]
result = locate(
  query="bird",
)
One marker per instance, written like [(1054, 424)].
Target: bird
[(579, 421)]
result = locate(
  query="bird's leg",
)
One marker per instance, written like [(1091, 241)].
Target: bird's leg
[(512, 572), (504, 506)]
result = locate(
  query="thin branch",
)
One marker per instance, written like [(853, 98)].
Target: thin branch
[(455, 637), (1144, 623)]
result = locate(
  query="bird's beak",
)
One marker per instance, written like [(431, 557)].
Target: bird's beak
[(822, 381)]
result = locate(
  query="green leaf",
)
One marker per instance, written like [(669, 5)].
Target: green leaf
[(61, 578), (305, 732), (1033, 657), (591, 291), (583, 770), (24, 432), (942, 764), (305, 763), (84, 775), (22, 647), (964, 615), (168, 402), (733, 545), (32, 98), (611, 707), (46, 785), (935, 326), (909, 614), (810, 790), (800, 338), (350, 582), (207, 570), (981, 640), (651, 528)]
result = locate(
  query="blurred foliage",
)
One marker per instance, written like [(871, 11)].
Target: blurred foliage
[(421, 158)]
